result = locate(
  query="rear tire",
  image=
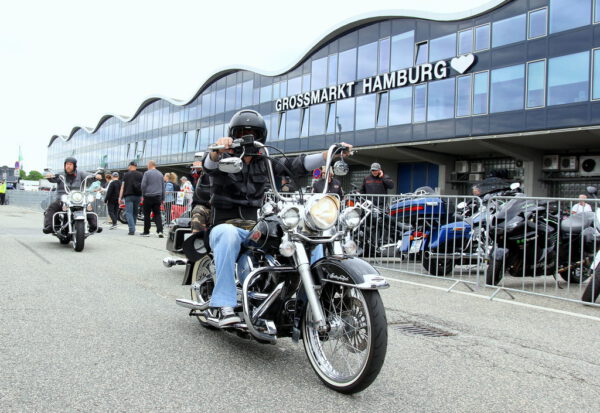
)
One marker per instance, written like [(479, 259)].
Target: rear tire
[(494, 272), (122, 216), (591, 292), (79, 236), (437, 266)]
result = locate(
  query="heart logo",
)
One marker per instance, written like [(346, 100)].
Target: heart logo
[(462, 63)]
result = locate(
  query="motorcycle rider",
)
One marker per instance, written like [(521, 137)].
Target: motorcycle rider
[(201, 202), (73, 178), (235, 200)]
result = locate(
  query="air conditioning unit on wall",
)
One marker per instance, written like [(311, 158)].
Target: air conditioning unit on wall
[(461, 167), (550, 163), (475, 177), (477, 167), (568, 163), (589, 165)]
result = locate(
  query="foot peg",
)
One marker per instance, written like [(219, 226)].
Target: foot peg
[(171, 261), (192, 305)]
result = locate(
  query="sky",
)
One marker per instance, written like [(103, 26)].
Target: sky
[(65, 63)]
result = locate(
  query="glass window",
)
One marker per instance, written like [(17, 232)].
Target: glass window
[(508, 31), (482, 37), (331, 119), (332, 69), (463, 95), (317, 119), (238, 96), (402, 50), (345, 115), (276, 91), (365, 111), (440, 102), (596, 80), (256, 96), (274, 127), (306, 83), (568, 14), (568, 78), (305, 118), (422, 55), (266, 93), (382, 109), (283, 89), (367, 60), (480, 93), (537, 23), (319, 73), (401, 106), (206, 104), (230, 98), (247, 90), (282, 123), (465, 41), (294, 86), (596, 11), (420, 105), (442, 47), (536, 80), (347, 66), (384, 55), (507, 89), (292, 127), (220, 101)]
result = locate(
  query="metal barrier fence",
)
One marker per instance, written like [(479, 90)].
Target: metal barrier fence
[(34, 200), (511, 243)]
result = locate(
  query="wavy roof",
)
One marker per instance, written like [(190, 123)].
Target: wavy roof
[(339, 29)]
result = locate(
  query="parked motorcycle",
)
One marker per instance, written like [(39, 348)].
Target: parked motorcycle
[(333, 304), (71, 224), (592, 290)]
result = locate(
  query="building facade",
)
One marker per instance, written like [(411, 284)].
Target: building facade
[(514, 88)]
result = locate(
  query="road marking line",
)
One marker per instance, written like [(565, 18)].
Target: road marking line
[(537, 307), (37, 254)]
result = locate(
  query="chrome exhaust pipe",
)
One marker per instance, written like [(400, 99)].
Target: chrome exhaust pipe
[(172, 261), (192, 305)]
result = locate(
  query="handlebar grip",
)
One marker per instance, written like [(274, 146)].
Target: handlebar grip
[(214, 148)]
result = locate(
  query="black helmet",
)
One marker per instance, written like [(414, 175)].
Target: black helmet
[(72, 160), (247, 119)]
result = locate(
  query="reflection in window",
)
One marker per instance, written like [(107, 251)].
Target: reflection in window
[(537, 23), (247, 88), (282, 123), (292, 126), (465, 41), (238, 96), (266, 93), (480, 93), (401, 106), (442, 47), (536, 79), (367, 60), (384, 55), (508, 31), (306, 83), (568, 78), (319, 73), (283, 89), (568, 14), (365, 111), (331, 119), (482, 37), (317, 119), (274, 127), (305, 119), (420, 105), (276, 91), (596, 80), (347, 66), (220, 101), (596, 11), (463, 95), (332, 70), (382, 109), (402, 50), (230, 98), (294, 86), (206, 104), (345, 115), (422, 53), (507, 89), (440, 102)]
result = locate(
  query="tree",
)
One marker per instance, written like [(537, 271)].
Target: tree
[(22, 174), (34, 176)]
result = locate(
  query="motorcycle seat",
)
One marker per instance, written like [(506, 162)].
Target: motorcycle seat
[(577, 223)]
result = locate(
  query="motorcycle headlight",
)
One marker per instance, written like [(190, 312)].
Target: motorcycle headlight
[(350, 217), (290, 217), (90, 198), (76, 197), (322, 212)]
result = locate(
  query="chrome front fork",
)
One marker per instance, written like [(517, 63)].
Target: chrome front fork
[(303, 267)]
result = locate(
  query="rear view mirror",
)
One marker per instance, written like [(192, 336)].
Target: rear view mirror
[(231, 165), (515, 185), (341, 168), (461, 205), (592, 190)]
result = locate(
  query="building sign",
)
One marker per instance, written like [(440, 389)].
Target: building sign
[(403, 77)]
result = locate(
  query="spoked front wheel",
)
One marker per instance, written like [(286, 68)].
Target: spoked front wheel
[(203, 284), (350, 355)]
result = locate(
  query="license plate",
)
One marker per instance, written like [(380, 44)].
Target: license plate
[(416, 246)]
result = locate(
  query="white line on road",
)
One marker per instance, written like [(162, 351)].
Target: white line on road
[(537, 307)]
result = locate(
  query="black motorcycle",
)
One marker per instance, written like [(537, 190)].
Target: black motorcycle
[(592, 290), (333, 305)]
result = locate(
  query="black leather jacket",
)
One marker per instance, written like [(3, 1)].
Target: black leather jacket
[(202, 192), (73, 181), (240, 195)]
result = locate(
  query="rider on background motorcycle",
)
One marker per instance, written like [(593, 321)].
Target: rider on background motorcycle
[(236, 199), (74, 178)]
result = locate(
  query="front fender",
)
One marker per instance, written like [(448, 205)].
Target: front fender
[(350, 271)]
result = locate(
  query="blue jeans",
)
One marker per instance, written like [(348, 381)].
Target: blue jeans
[(226, 242), (132, 203)]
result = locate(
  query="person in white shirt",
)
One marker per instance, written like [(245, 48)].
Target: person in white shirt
[(581, 206)]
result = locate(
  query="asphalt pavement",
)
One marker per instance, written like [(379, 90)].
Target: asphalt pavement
[(99, 331)]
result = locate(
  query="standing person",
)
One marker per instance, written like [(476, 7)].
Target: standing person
[(111, 198), (169, 195), (376, 183), (334, 187), (3, 192), (188, 189), (173, 178), (287, 185), (130, 193), (581, 206), (153, 191)]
